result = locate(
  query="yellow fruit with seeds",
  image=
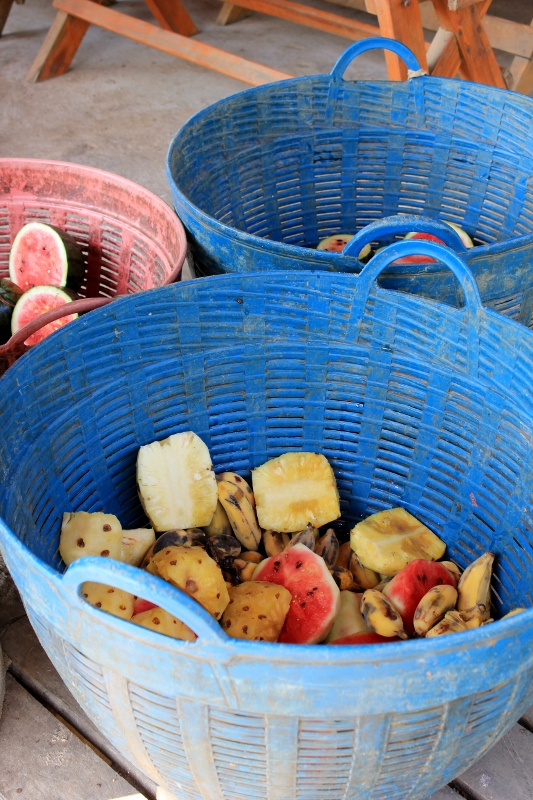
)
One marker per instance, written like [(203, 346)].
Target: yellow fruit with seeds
[(256, 611), (156, 619), (89, 534), (114, 601)]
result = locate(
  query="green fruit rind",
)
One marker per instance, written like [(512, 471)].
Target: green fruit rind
[(21, 316), (72, 263)]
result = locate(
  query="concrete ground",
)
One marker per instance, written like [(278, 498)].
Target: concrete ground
[(121, 102)]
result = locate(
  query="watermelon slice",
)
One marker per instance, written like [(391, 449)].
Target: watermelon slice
[(9, 295), (315, 595), (337, 243), (32, 304), (43, 255)]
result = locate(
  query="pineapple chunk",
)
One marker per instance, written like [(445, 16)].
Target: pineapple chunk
[(389, 540), (256, 611), (176, 482), (86, 534), (114, 601), (156, 619), (135, 545), (195, 573), (294, 490)]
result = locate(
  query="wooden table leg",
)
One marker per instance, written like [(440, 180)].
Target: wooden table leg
[(478, 62), (231, 13), (172, 16), (400, 19), (59, 47), (522, 73), (5, 8), (448, 63)]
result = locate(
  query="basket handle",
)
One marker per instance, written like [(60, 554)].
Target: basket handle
[(402, 223), (75, 307), (376, 43), (142, 584), (413, 247)]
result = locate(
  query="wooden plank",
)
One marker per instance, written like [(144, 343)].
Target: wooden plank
[(505, 772), (58, 49), (5, 8), (447, 793), (521, 71), (313, 18), (41, 759), (231, 13), (478, 60), (172, 16), (33, 669), (455, 5), (400, 20), (198, 53)]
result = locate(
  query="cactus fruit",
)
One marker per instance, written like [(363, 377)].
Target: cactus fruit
[(389, 540), (195, 573), (135, 545), (294, 490), (114, 601), (176, 482), (256, 611), (156, 619), (86, 534)]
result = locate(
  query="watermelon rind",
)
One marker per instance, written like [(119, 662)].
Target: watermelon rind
[(22, 313), (71, 266), (9, 295), (315, 595)]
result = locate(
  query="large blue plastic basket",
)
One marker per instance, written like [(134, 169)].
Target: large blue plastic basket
[(260, 177), (414, 403)]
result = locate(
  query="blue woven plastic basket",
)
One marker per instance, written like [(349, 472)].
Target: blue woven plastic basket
[(414, 403), (260, 177)]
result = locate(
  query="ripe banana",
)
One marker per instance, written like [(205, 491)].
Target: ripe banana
[(274, 542), (475, 583), (343, 558), (365, 577), (344, 579), (240, 514), (328, 547), (433, 607), (452, 623), (380, 615), (220, 523), (474, 617), (240, 483), (306, 537), (513, 612), (453, 568)]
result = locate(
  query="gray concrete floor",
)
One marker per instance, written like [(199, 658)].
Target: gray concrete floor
[(121, 102)]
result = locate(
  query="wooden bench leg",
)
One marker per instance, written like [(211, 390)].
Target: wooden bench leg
[(172, 16), (522, 73), (401, 20), (58, 49), (5, 8), (231, 13)]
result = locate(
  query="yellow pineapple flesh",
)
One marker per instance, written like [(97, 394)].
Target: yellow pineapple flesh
[(294, 490), (176, 482), (156, 619), (389, 540)]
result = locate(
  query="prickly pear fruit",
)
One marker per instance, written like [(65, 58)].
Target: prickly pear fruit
[(349, 619), (256, 611), (89, 534), (408, 587), (135, 545), (156, 619), (114, 601), (389, 540), (196, 574)]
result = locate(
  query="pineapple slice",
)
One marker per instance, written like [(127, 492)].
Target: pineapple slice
[(389, 540), (195, 573), (176, 482), (294, 490), (135, 545), (156, 619), (114, 601), (89, 534)]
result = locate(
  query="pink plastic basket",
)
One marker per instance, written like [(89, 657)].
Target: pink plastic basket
[(131, 239)]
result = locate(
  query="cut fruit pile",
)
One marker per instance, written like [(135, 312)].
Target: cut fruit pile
[(276, 563), (337, 242), (46, 268)]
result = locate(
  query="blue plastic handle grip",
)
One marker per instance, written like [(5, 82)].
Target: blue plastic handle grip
[(415, 247), (403, 223), (142, 584), (376, 43)]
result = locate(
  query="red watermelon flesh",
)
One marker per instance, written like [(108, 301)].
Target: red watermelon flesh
[(315, 595), (43, 255), (366, 638), (426, 237), (32, 304), (409, 586), (141, 605)]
